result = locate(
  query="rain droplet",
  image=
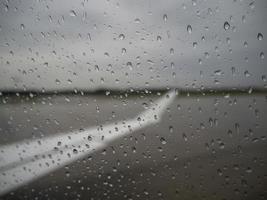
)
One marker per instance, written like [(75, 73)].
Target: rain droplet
[(243, 18), (226, 26), (251, 5), (194, 45), (260, 36), (264, 78), (171, 129), (165, 17), (262, 55), (219, 171), (69, 81), (221, 145), (249, 170), (22, 26), (123, 51), (73, 13), (89, 138), (189, 29), (114, 169), (137, 20), (67, 174), (57, 81), (171, 51), (121, 37), (185, 137), (218, 72), (163, 141), (247, 74), (233, 70), (129, 65), (106, 54)]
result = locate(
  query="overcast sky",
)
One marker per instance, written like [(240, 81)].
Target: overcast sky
[(66, 44)]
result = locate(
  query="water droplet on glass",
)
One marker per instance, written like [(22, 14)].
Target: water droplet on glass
[(264, 78), (171, 51), (22, 26), (129, 65), (89, 138), (57, 81), (73, 13), (247, 74), (123, 51), (163, 141), (221, 145), (243, 18), (189, 29), (121, 36), (251, 5), (233, 70), (262, 55), (165, 17), (226, 25), (67, 174), (218, 72), (194, 45), (260, 36), (137, 20), (219, 171), (249, 170), (185, 137), (114, 169)]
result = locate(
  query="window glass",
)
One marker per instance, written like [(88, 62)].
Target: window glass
[(144, 99)]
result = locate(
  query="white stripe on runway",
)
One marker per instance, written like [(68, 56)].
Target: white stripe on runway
[(26, 161)]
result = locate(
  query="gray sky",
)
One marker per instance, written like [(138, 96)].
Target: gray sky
[(67, 44)]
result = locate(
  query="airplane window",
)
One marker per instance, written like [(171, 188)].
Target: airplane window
[(133, 99)]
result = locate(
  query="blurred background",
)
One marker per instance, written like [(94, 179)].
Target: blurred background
[(87, 45), (68, 66)]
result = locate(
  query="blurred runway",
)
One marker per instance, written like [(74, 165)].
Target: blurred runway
[(202, 147)]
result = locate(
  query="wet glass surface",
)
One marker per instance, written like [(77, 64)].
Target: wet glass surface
[(133, 99)]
